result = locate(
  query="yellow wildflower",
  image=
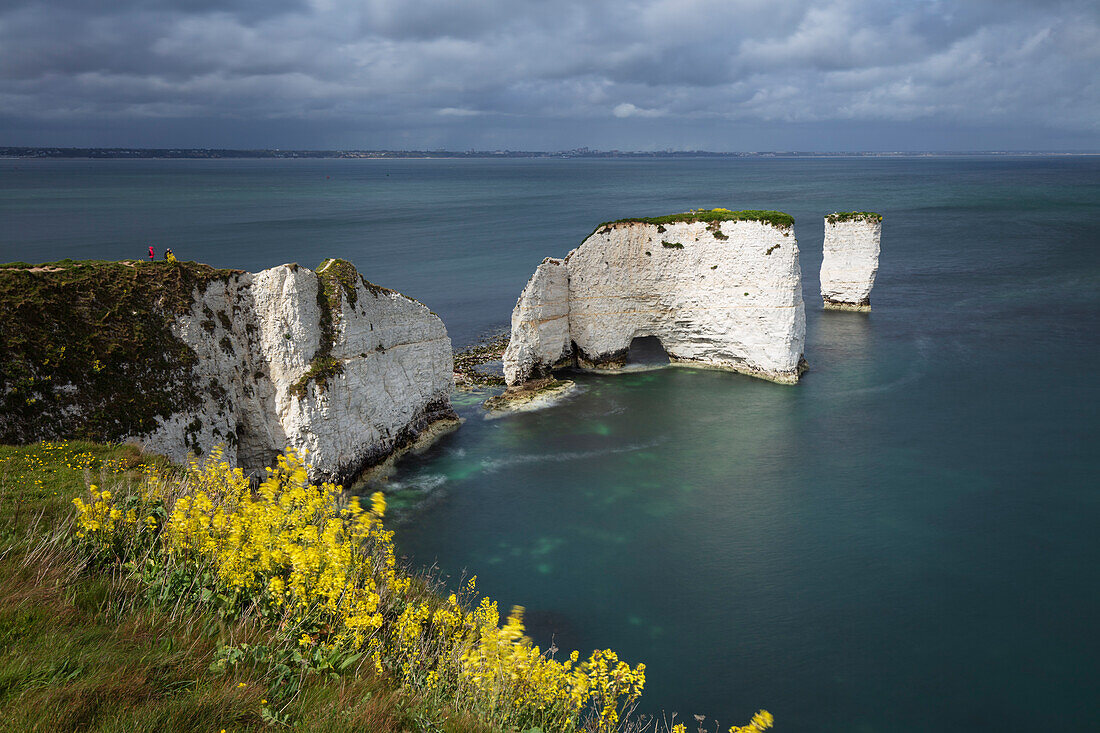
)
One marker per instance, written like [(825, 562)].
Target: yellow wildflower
[(326, 569)]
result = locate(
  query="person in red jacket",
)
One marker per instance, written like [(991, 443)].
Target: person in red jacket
[(151, 255)]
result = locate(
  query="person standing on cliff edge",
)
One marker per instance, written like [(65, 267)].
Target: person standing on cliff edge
[(152, 255)]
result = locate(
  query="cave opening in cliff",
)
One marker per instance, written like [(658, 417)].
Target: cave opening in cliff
[(646, 351)]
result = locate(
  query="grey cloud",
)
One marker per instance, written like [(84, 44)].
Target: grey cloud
[(492, 70), (248, 9)]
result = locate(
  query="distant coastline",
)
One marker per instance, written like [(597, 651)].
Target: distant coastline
[(223, 153)]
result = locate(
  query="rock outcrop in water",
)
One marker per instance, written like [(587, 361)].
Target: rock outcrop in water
[(850, 260), (718, 288), (183, 357)]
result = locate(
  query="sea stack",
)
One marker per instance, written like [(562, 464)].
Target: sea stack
[(850, 260), (718, 288)]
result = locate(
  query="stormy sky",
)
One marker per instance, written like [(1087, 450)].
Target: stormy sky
[(552, 74)]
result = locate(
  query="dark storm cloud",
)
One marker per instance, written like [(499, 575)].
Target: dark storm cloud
[(654, 73)]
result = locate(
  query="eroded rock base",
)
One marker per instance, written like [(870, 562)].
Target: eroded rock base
[(837, 305), (413, 445)]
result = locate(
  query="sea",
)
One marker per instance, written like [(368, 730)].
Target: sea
[(907, 540)]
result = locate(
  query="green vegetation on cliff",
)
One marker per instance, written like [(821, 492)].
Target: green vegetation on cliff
[(839, 216), (338, 282), (87, 349), (777, 219), (332, 288)]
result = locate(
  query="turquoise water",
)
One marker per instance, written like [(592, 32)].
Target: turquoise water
[(905, 541)]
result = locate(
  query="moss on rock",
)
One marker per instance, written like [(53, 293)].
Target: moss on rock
[(337, 272), (467, 361), (529, 392), (320, 369), (336, 281)]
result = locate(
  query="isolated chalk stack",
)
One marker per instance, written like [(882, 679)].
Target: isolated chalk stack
[(851, 259)]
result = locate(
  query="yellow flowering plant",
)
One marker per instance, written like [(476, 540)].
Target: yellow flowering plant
[(320, 570)]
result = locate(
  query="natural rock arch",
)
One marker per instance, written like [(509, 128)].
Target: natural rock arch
[(718, 288)]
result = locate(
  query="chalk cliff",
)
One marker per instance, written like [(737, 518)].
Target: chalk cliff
[(718, 288), (322, 361), (850, 260)]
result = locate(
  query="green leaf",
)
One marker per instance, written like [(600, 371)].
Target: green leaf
[(352, 659)]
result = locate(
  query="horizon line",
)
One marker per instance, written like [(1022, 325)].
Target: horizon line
[(76, 151)]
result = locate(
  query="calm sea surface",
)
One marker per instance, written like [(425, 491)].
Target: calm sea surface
[(908, 540)]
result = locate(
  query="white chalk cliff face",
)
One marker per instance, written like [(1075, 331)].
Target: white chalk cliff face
[(320, 362), (850, 260), (540, 325), (717, 293)]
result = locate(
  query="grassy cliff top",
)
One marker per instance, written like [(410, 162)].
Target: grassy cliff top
[(335, 271), (839, 216), (777, 219), (87, 349), (170, 280)]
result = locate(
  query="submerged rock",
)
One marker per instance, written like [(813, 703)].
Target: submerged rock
[(530, 396), (323, 362), (850, 259), (718, 288)]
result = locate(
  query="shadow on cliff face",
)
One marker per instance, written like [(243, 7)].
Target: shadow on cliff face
[(646, 351)]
